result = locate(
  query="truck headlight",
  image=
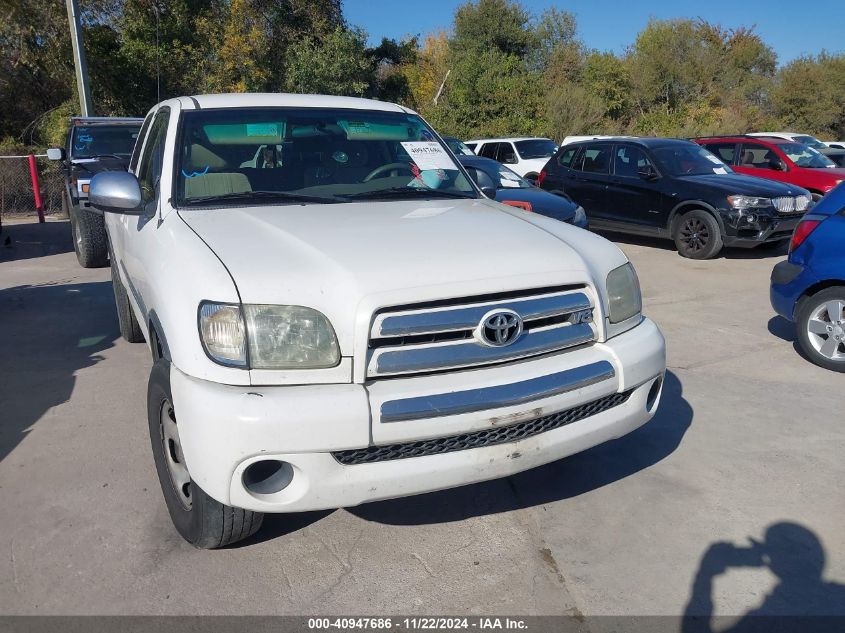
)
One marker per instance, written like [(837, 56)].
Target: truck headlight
[(276, 337), (222, 333), (289, 337), (749, 202), (623, 294)]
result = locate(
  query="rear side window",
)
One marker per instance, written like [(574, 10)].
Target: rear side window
[(595, 159), (488, 150), (566, 156), (725, 151), (629, 161)]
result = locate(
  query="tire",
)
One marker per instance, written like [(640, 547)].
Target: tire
[(199, 519), (130, 330), (697, 235), (825, 310), (89, 238)]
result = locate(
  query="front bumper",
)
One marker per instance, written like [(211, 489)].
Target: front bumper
[(224, 429), (765, 228)]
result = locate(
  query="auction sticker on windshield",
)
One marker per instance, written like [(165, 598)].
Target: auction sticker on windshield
[(428, 155)]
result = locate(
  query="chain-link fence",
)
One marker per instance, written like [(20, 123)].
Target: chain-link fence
[(16, 197)]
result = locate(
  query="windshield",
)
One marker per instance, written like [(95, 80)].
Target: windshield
[(278, 155), (536, 148), (689, 160), (805, 156), (810, 141), (507, 179), (103, 140), (457, 146)]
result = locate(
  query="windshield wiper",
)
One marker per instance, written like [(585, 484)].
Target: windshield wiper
[(103, 156), (398, 192), (260, 195)]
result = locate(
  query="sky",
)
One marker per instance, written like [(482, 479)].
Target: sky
[(791, 27)]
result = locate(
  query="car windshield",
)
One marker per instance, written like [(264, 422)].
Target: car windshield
[(810, 141), (103, 140), (278, 155), (536, 148), (688, 160), (458, 147), (805, 156)]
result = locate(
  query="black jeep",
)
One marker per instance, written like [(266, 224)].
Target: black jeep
[(94, 144), (674, 189)]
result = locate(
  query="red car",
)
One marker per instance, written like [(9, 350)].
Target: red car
[(777, 159)]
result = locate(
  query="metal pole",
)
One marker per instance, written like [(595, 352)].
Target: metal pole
[(79, 58)]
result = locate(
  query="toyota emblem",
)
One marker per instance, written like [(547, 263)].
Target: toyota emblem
[(499, 328)]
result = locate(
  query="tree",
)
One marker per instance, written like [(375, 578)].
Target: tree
[(338, 64)]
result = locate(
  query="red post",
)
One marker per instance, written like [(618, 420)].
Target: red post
[(36, 188)]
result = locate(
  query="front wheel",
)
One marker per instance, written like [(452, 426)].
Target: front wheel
[(199, 519), (89, 238), (821, 328), (697, 235)]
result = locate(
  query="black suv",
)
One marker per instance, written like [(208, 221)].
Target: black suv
[(93, 144), (675, 189)]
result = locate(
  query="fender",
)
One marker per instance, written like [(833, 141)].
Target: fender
[(686, 205), (157, 334)]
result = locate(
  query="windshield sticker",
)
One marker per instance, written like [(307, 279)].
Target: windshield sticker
[(720, 170), (196, 173), (713, 159), (428, 155), (507, 182), (262, 129)]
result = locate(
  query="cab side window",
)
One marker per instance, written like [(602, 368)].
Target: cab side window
[(149, 170), (136, 151), (629, 161)]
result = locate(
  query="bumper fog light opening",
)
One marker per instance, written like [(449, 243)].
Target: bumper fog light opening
[(267, 476)]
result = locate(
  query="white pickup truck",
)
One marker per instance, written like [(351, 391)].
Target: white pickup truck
[(351, 319)]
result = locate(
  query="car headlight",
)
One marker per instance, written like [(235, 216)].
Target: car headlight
[(275, 336), (623, 294), (749, 202)]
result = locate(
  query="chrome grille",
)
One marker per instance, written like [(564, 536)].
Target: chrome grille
[(443, 337), (478, 439), (787, 204)]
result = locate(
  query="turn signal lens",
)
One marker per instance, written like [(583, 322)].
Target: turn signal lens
[(802, 232), (222, 333)]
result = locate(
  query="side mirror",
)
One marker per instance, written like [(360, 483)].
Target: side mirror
[(777, 164), (510, 160), (116, 192), (56, 153), (490, 192), (647, 172)]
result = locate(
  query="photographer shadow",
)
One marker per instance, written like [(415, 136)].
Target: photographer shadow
[(801, 601)]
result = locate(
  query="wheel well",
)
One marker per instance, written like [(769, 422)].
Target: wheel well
[(822, 285), (155, 343), (679, 211)]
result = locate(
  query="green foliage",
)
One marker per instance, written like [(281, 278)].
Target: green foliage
[(502, 70), (336, 64)]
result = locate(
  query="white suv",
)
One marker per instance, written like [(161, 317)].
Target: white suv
[(525, 156), (353, 320)]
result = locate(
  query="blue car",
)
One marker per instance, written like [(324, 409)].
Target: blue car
[(809, 288), (503, 185)]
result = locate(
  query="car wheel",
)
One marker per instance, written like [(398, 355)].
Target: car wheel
[(697, 235), (89, 238), (821, 328), (199, 519), (130, 330)]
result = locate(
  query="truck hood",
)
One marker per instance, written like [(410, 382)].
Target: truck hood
[(347, 260)]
